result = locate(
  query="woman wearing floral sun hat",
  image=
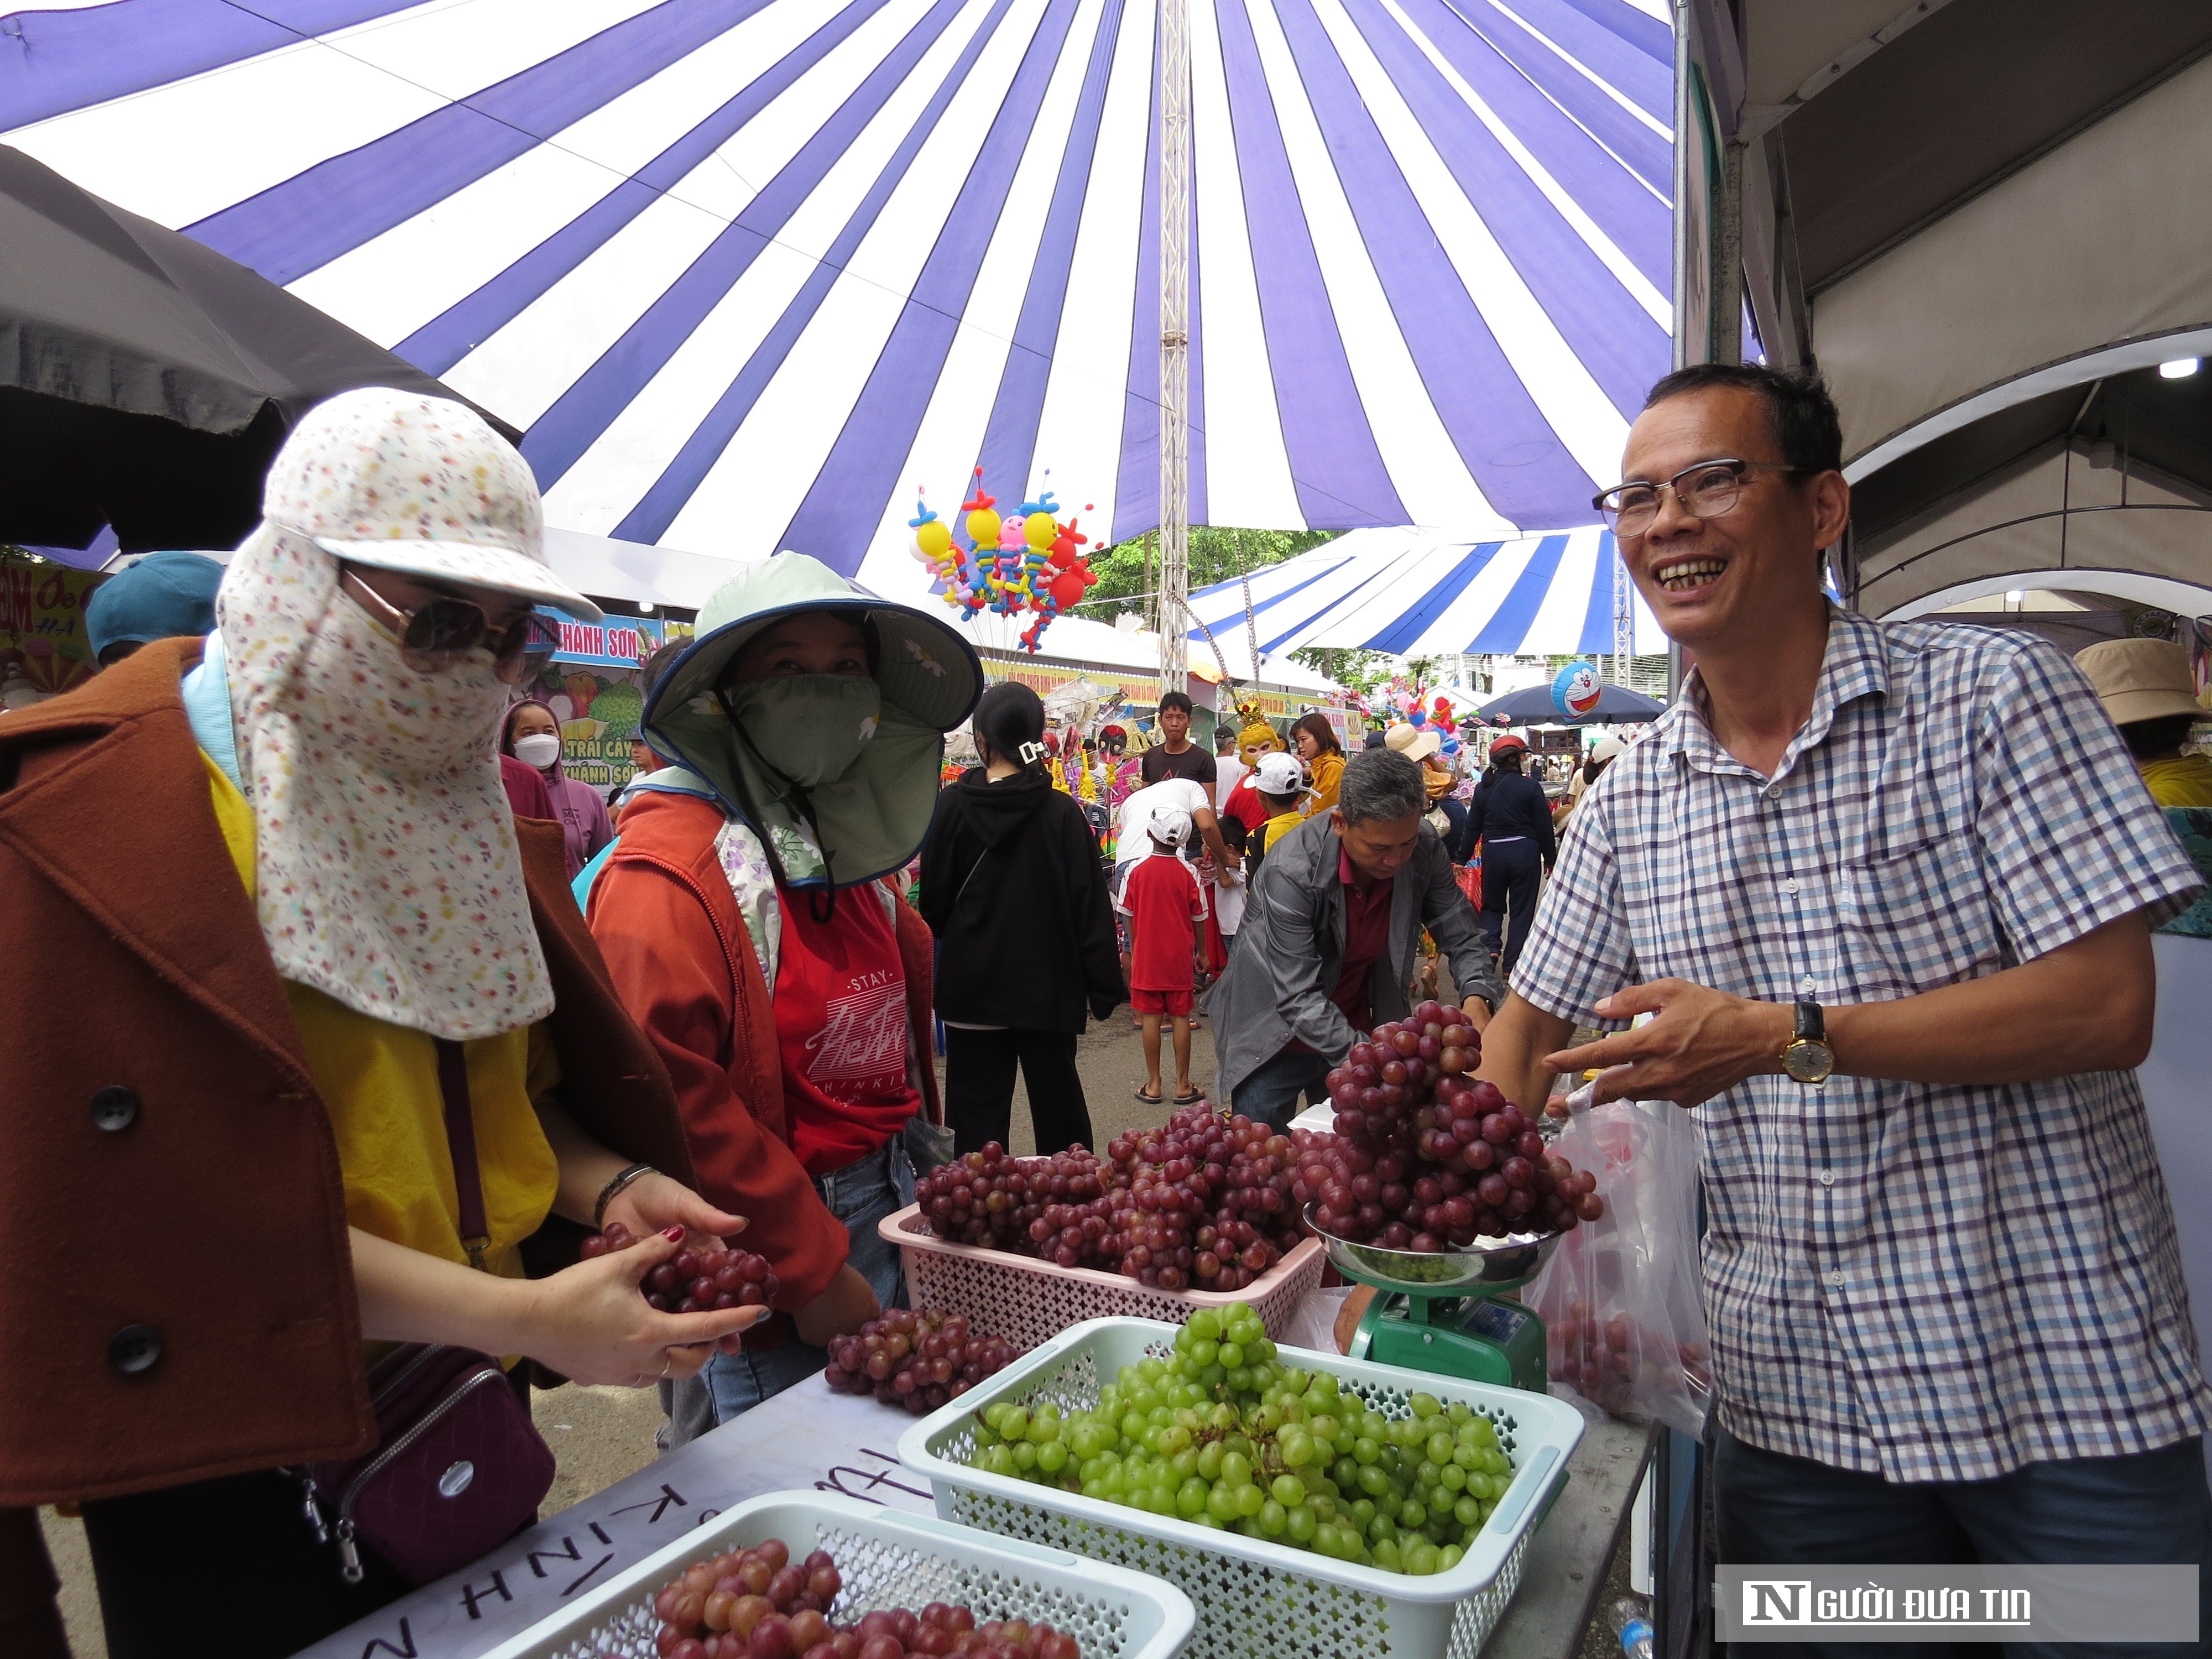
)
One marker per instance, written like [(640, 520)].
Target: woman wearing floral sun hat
[(354, 1047), (746, 915)]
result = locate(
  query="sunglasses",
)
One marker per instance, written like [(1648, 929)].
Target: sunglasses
[(438, 634)]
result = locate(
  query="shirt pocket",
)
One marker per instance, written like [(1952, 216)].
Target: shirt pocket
[(1917, 917)]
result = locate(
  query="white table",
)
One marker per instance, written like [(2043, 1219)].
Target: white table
[(805, 1437), (808, 1438)]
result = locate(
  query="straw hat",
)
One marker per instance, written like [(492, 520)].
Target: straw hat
[(2141, 679), (1415, 743)]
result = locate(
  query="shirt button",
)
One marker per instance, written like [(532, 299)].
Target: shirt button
[(114, 1108), (1827, 1177), (1774, 791), (1790, 885), (134, 1349), (1805, 983), (1836, 1281)]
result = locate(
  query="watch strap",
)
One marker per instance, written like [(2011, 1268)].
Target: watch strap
[(1812, 1024)]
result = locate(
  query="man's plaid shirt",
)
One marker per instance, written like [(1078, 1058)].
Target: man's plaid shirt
[(1930, 1282)]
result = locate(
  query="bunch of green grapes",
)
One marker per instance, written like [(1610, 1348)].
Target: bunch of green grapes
[(1220, 1433)]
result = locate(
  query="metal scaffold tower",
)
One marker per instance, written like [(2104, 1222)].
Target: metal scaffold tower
[(1175, 341)]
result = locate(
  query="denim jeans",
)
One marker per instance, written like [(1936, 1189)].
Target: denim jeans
[(861, 1195), (2150, 1508), (1270, 1094)]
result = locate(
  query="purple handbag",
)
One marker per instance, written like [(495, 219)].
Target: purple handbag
[(458, 1467)]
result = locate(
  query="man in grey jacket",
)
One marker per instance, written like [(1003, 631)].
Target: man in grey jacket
[(1325, 951)]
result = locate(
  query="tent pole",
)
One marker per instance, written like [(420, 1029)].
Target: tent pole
[(1174, 342)]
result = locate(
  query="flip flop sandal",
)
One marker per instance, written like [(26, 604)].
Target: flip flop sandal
[(1149, 1100), (1190, 1099)]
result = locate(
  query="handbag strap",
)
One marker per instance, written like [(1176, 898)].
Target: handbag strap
[(461, 1144)]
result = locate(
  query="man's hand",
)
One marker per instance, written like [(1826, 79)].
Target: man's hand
[(1476, 1012), (1701, 1042), (847, 1304)]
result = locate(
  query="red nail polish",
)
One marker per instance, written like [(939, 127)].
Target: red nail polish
[(673, 1235)]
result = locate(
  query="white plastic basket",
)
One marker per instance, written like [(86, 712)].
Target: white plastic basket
[(1258, 1599), (888, 1560), (1027, 1301)]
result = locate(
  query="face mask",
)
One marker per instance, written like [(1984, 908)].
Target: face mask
[(810, 727), (540, 751)]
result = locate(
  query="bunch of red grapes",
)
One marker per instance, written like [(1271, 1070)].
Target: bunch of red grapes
[(699, 1278), (756, 1604), (1599, 1355), (917, 1360), (1426, 1158), (1202, 1203)]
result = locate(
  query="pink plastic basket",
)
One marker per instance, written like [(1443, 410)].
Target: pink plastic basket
[(1027, 1301)]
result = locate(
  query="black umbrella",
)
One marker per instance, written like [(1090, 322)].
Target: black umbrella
[(146, 380), (1616, 706)]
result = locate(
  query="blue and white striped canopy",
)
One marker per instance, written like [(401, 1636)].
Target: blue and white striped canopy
[(1417, 593), (747, 271)]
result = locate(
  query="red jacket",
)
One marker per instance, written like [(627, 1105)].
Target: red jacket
[(680, 955)]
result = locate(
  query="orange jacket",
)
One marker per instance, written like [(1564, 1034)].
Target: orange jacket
[(662, 912)]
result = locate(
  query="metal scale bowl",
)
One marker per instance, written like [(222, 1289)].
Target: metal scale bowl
[(1443, 1312)]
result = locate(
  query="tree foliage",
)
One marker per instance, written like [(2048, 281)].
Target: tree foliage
[(1128, 571)]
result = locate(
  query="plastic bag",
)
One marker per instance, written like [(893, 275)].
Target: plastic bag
[(1621, 1298)]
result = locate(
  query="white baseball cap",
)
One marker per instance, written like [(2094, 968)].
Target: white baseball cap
[(421, 485), (1278, 774), (1171, 826)]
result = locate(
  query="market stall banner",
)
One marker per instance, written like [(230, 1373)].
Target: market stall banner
[(617, 642), (1044, 678), (593, 686), (42, 638), (746, 272)]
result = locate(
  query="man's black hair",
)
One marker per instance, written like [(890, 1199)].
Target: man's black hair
[(1800, 413), (660, 661), (1175, 700)]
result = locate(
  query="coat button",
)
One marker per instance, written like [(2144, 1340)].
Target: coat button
[(134, 1349), (115, 1108)]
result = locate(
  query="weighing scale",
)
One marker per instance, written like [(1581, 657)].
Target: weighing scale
[(1442, 1313)]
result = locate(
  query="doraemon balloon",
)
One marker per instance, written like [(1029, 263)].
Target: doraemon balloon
[(1576, 690)]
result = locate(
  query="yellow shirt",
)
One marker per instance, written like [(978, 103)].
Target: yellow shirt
[(380, 1083), (1279, 826), (1328, 779), (2184, 782)]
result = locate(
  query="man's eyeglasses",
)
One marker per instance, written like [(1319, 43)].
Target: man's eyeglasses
[(1705, 490), (437, 635)]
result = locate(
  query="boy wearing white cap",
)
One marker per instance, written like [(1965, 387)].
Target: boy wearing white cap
[(1165, 907)]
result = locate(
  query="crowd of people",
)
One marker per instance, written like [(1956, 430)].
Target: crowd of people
[(395, 1015)]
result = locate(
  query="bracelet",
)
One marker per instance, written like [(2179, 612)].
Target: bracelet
[(608, 1193)]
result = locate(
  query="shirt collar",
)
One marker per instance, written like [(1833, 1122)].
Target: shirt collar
[(1855, 665)]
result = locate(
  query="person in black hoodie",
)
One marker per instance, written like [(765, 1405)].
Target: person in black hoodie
[(1514, 820), (1013, 887)]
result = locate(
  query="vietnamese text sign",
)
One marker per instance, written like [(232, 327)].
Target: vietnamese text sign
[(2073, 1603)]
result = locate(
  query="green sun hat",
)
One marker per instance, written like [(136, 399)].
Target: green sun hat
[(871, 820)]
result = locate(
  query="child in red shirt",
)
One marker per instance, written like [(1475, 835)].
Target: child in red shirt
[(1166, 906)]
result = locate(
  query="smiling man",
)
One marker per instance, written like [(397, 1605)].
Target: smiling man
[(1888, 891)]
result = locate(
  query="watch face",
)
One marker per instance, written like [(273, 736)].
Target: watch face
[(1808, 1061)]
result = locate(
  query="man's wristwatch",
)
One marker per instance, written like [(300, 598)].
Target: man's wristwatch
[(1809, 1058)]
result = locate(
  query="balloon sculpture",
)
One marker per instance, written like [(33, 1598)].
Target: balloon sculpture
[(1027, 560)]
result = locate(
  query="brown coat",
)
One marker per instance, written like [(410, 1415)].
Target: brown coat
[(215, 1215)]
